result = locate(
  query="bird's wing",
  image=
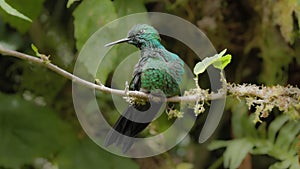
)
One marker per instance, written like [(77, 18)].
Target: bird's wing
[(135, 83)]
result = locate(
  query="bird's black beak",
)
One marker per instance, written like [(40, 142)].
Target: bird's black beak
[(118, 41)]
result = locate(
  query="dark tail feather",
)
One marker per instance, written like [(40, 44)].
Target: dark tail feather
[(134, 120)]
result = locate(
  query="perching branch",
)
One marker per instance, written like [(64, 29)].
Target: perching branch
[(100, 87), (264, 99)]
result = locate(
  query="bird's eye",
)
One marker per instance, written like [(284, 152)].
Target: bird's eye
[(142, 31)]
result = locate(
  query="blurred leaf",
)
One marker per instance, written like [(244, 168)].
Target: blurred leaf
[(284, 13), (39, 81), (42, 163), (241, 122), (90, 16), (57, 38), (280, 144), (216, 144), (126, 7), (10, 10), (275, 126), (280, 165), (28, 131), (10, 40), (70, 2), (287, 135), (123, 8), (120, 63), (31, 9), (293, 164), (275, 52), (277, 56), (86, 154), (235, 152), (185, 166)]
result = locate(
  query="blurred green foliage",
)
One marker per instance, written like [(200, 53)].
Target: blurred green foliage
[(23, 136), (88, 19), (29, 131), (31, 9), (37, 118), (12, 11), (277, 140)]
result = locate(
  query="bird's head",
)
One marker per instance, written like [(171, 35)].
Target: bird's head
[(140, 35)]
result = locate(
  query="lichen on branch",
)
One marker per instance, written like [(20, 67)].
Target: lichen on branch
[(263, 98)]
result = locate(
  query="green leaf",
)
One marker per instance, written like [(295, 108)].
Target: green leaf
[(90, 16), (216, 144), (10, 40), (10, 10), (235, 152), (126, 7), (222, 52), (122, 51), (99, 14), (92, 157), (290, 164), (295, 163), (276, 54), (222, 62), (185, 166), (287, 135), (275, 126), (280, 165), (39, 81), (32, 9), (28, 131), (278, 140), (112, 63), (241, 122), (70, 2), (35, 49), (284, 14), (200, 67)]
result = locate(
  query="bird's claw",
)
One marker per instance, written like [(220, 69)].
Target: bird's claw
[(126, 90)]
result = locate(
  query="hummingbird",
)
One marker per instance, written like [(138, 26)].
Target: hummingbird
[(157, 72)]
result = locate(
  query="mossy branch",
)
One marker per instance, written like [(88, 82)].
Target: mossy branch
[(264, 99), (286, 99), (98, 86)]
